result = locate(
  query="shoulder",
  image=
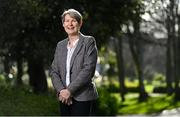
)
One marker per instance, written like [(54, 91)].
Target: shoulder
[(62, 42), (88, 38)]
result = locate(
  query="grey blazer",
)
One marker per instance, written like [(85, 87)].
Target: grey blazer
[(82, 68)]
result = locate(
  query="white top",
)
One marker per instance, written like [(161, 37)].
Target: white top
[(68, 60)]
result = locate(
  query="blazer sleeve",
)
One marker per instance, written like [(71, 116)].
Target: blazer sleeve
[(55, 73), (87, 72)]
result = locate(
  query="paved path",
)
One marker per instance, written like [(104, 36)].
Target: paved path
[(169, 113)]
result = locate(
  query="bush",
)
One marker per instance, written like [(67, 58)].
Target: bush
[(113, 87), (2, 80), (159, 80), (20, 102), (107, 104)]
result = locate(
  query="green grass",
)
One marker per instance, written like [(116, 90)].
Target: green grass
[(19, 102), (154, 104)]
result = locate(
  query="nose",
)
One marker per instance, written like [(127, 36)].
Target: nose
[(70, 23)]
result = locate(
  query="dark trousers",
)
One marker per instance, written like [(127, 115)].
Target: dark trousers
[(78, 108)]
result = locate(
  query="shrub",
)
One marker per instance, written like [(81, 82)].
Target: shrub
[(107, 103)]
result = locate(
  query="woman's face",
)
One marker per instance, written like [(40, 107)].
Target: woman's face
[(71, 25)]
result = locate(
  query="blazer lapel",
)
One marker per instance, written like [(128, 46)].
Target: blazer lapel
[(78, 47), (64, 57)]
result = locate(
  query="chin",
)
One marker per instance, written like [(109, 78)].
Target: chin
[(72, 33)]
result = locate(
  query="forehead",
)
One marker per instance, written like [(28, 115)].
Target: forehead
[(67, 16)]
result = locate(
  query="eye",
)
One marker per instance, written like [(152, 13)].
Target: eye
[(66, 21), (74, 20)]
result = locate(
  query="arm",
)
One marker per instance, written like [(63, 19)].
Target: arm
[(87, 72), (55, 75)]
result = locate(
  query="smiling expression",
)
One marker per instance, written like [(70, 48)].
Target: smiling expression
[(71, 25)]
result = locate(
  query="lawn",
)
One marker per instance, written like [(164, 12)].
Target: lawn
[(22, 102), (14, 101), (155, 104)]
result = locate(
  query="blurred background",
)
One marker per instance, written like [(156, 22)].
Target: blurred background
[(138, 62)]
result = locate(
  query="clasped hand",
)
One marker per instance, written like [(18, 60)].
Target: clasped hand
[(65, 96)]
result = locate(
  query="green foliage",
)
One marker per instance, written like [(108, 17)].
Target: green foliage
[(159, 83), (113, 87), (2, 80), (2, 77), (33, 8), (131, 83), (154, 104), (18, 102), (107, 104), (21, 102), (159, 78)]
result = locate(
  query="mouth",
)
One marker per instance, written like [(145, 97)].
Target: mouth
[(70, 28)]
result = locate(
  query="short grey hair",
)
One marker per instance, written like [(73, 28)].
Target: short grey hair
[(73, 13)]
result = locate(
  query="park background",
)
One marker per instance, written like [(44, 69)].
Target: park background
[(138, 62)]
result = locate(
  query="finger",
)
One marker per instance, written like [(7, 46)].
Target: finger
[(66, 101), (69, 101), (60, 98)]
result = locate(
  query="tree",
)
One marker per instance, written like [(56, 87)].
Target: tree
[(33, 35), (111, 26), (121, 68), (161, 22), (21, 18), (166, 15)]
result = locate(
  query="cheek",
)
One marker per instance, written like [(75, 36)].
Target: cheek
[(77, 26), (65, 24)]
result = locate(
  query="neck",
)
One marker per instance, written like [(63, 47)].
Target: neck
[(72, 38)]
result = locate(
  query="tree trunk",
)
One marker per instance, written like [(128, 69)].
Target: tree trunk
[(134, 48), (120, 62), (142, 93), (169, 67), (177, 69), (20, 72), (170, 63), (6, 68), (177, 63), (37, 75)]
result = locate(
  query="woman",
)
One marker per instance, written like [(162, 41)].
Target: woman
[(73, 68)]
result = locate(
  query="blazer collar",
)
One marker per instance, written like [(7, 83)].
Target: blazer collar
[(78, 47)]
